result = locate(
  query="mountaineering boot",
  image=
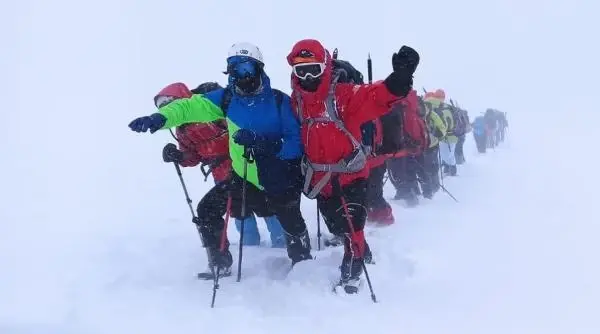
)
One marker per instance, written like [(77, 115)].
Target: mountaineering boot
[(211, 239), (218, 262), (298, 247), (352, 262), (251, 234), (334, 241), (276, 232), (452, 170)]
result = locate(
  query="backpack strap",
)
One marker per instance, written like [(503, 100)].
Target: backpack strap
[(352, 163)]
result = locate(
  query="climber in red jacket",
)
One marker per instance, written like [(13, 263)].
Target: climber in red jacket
[(335, 164)]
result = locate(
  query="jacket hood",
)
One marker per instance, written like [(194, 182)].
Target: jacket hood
[(311, 48), (177, 90)]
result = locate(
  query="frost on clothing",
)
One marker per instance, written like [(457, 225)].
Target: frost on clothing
[(206, 143), (324, 143), (258, 113)]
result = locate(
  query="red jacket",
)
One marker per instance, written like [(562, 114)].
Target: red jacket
[(323, 142), (201, 142)]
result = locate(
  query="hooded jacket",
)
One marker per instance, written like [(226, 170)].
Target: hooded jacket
[(201, 142), (259, 113), (323, 142)]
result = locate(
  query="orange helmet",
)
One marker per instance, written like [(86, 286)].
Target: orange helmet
[(440, 94)]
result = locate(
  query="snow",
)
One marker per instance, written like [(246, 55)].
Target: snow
[(95, 235)]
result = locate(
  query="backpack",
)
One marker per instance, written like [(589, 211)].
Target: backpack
[(403, 129), (346, 73), (460, 121)]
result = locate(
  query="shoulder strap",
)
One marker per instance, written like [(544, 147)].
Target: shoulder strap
[(225, 100)]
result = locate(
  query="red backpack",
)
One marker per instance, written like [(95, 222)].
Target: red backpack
[(402, 128)]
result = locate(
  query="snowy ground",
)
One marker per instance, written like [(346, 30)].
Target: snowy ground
[(510, 257), (94, 230)]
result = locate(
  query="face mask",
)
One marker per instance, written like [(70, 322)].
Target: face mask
[(310, 84)]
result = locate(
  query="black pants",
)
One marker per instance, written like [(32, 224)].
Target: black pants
[(332, 210), (481, 142), (286, 205), (211, 209), (403, 174), (430, 179), (459, 152), (375, 199)]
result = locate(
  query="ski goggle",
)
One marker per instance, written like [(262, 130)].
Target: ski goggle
[(305, 70), (162, 100), (241, 67)]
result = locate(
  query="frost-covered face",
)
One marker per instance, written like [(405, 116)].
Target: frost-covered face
[(245, 73)]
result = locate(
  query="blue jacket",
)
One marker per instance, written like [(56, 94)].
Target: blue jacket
[(479, 126), (260, 113)]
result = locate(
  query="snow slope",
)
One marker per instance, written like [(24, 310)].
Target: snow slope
[(95, 235)]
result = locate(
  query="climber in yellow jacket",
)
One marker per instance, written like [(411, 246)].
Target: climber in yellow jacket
[(437, 131)]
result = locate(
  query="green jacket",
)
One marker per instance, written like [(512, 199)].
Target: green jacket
[(198, 109), (435, 124)]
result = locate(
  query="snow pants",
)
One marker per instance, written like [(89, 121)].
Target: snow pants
[(403, 175), (447, 153), (211, 209), (285, 206), (480, 141), (459, 152), (375, 199), (430, 178), (354, 195)]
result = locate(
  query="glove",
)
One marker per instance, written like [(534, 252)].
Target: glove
[(172, 154), (259, 144), (404, 63), (153, 122), (245, 137), (406, 60)]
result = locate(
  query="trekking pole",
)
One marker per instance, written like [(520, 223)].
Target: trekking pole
[(195, 220), (247, 160), (370, 69), (185, 191), (318, 227), (223, 242), (352, 233), (442, 178)]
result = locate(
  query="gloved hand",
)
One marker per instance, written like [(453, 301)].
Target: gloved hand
[(172, 154), (259, 144), (407, 59), (153, 123), (404, 63)]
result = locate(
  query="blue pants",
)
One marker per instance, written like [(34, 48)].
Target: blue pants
[(252, 236)]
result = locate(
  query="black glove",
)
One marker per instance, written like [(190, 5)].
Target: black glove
[(172, 154), (407, 59), (404, 63)]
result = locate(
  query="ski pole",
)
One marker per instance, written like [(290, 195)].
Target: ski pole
[(318, 227), (352, 234), (247, 160), (223, 242), (197, 223), (370, 69)]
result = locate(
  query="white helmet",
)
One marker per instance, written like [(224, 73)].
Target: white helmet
[(247, 50)]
